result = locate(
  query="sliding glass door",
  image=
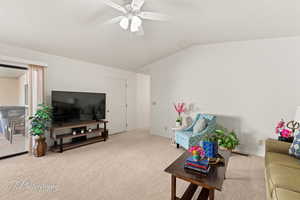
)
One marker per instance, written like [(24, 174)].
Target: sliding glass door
[(21, 91), (13, 83)]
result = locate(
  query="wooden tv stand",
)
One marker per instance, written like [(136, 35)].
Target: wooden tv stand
[(103, 135)]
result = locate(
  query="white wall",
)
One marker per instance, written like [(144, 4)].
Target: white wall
[(249, 85), (69, 74), (72, 75), (9, 92), (143, 101)]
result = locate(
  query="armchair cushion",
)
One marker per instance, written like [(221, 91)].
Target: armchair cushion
[(199, 126)]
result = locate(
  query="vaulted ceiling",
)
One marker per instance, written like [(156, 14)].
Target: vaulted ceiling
[(75, 29)]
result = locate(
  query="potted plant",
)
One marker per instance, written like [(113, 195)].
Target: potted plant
[(219, 138), (40, 123), (227, 140), (210, 144), (179, 109), (178, 121)]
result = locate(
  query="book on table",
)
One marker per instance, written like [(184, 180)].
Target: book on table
[(201, 165), (205, 171)]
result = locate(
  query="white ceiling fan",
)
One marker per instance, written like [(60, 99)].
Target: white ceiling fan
[(132, 16)]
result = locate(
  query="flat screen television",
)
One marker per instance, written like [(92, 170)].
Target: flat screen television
[(69, 107)]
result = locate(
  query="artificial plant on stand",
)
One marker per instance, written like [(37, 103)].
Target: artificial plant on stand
[(40, 123), (180, 108)]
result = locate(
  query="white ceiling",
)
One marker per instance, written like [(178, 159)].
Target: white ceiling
[(10, 73), (74, 28)]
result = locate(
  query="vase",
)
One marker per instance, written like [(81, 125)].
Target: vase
[(40, 146), (196, 156), (210, 148)]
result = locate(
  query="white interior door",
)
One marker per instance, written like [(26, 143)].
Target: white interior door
[(116, 106)]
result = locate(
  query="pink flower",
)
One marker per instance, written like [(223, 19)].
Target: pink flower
[(286, 133), (199, 149), (279, 126), (202, 153), (179, 108)]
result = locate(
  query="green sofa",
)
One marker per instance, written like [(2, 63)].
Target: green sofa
[(282, 172)]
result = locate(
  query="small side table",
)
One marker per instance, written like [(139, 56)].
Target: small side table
[(178, 128), (209, 182)]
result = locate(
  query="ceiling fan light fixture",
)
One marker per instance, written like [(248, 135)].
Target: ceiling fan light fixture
[(133, 16), (124, 23), (136, 22)]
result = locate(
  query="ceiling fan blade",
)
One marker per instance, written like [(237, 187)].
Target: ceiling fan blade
[(115, 6), (115, 20), (140, 32), (124, 23), (136, 23), (137, 4), (154, 16)]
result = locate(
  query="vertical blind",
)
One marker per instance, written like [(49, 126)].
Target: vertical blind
[(36, 92)]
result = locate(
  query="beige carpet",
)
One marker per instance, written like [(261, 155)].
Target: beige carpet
[(127, 166), (17, 146)]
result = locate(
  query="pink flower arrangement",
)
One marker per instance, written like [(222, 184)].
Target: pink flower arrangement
[(197, 149), (286, 133), (280, 126), (282, 130), (179, 108)]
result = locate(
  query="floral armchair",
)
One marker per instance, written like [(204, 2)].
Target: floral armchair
[(186, 138)]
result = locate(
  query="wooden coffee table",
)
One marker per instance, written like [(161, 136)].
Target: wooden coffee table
[(209, 182)]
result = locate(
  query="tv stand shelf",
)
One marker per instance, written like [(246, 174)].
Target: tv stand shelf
[(70, 135), (103, 135)]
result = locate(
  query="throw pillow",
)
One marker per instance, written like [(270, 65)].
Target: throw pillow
[(295, 146), (199, 126)]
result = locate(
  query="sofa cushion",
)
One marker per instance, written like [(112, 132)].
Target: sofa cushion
[(283, 194), (199, 126), (273, 145), (295, 146), (280, 176), (282, 159)]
